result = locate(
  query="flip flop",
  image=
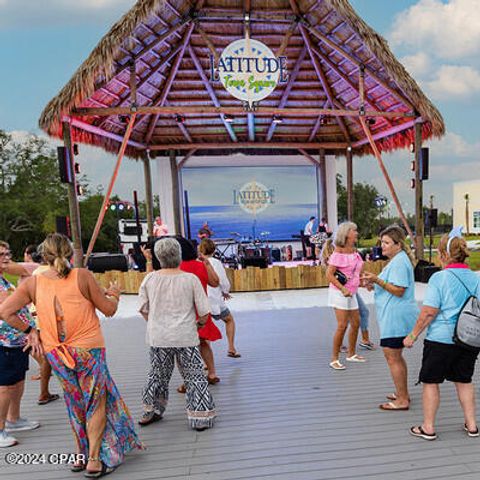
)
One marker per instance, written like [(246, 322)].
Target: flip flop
[(422, 434), (233, 354), (51, 398), (391, 406), (356, 358), (336, 365), (391, 396), (213, 381), (99, 473), (471, 433)]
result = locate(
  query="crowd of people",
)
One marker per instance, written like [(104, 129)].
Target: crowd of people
[(51, 315)]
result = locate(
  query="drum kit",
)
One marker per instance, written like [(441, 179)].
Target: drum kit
[(242, 250)]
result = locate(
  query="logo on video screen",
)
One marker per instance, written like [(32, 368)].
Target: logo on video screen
[(254, 197)]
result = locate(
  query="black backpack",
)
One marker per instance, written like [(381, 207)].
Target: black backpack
[(467, 328)]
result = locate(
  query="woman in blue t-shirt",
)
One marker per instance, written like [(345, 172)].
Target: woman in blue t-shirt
[(447, 292), (396, 310)]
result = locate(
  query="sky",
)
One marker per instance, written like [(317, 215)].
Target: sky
[(437, 40)]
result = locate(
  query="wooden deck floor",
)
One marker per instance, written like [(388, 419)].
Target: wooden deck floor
[(283, 414)]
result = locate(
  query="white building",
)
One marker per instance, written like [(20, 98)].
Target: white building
[(460, 207)]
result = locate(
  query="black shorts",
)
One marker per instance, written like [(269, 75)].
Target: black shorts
[(13, 365), (392, 342), (443, 361)]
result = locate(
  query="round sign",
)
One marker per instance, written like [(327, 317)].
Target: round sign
[(249, 70), (254, 197)]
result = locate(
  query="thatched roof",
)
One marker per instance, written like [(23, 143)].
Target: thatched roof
[(339, 39)]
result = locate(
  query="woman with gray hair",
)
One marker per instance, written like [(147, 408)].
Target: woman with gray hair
[(170, 301), (343, 274)]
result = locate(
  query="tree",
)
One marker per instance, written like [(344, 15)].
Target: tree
[(31, 194), (365, 211)]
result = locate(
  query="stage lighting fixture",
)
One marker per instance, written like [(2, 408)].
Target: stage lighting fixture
[(412, 165), (113, 207), (179, 119), (228, 118), (349, 148), (123, 119), (412, 183), (277, 119), (121, 206), (372, 121), (412, 148)]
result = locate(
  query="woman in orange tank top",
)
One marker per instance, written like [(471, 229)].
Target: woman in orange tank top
[(66, 300)]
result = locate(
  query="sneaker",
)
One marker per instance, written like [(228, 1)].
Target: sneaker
[(6, 440), (21, 425), (367, 345)]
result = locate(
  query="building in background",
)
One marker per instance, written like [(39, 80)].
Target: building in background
[(466, 205)]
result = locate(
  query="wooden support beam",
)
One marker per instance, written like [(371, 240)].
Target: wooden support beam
[(147, 172), (186, 158), (356, 62), (386, 133), (288, 89), (208, 43), (323, 78), (308, 156), (160, 101), (251, 127), (73, 205), (239, 110), (133, 84), (163, 63), (323, 183), (210, 91), (419, 226), (349, 159), (239, 145), (106, 199), (175, 192), (390, 186), (286, 38), (87, 127)]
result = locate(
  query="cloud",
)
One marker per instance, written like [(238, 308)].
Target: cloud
[(448, 30), (19, 13), (453, 145), (454, 81), (418, 65)]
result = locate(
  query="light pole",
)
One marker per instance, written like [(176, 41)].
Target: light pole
[(467, 213)]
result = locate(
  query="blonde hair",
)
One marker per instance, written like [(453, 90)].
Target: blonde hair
[(327, 250), (207, 246), (342, 233), (57, 252), (397, 234), (457, 250)]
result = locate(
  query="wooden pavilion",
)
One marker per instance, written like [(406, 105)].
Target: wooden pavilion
[(145, 92)]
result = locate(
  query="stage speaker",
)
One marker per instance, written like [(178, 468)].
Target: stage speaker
[(431, 218), (424, 270), (62, 225), (424, 153), (102, 262), (276, 255), (64, 166), (261, 262)]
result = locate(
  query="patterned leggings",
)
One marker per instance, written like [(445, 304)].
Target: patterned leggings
[(200, 405)]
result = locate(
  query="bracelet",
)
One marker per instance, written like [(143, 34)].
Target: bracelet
[(116, 297), (412, 336), (148, 262)]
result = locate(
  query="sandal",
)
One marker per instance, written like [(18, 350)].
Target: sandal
[(78, 467), (420, 433), (213, 381), (336, 365), (471, 433), (391, 406), (356, 358), (99, 473), (51, 398), (148, 418), (233, 354), (182, 388)]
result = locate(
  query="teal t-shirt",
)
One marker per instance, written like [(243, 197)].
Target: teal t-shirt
[(396, 316), (447, 293)]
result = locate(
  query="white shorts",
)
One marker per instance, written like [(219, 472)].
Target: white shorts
[(337, 300)]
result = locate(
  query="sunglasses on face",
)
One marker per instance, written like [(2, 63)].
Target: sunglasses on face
[(8, 253)]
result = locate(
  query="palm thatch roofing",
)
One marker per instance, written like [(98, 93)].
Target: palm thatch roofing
[(170, 41)]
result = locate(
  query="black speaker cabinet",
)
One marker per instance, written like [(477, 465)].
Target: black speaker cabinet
[(424, 270), (102, 262), (261, 262), (276, 255), (424, 154)]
